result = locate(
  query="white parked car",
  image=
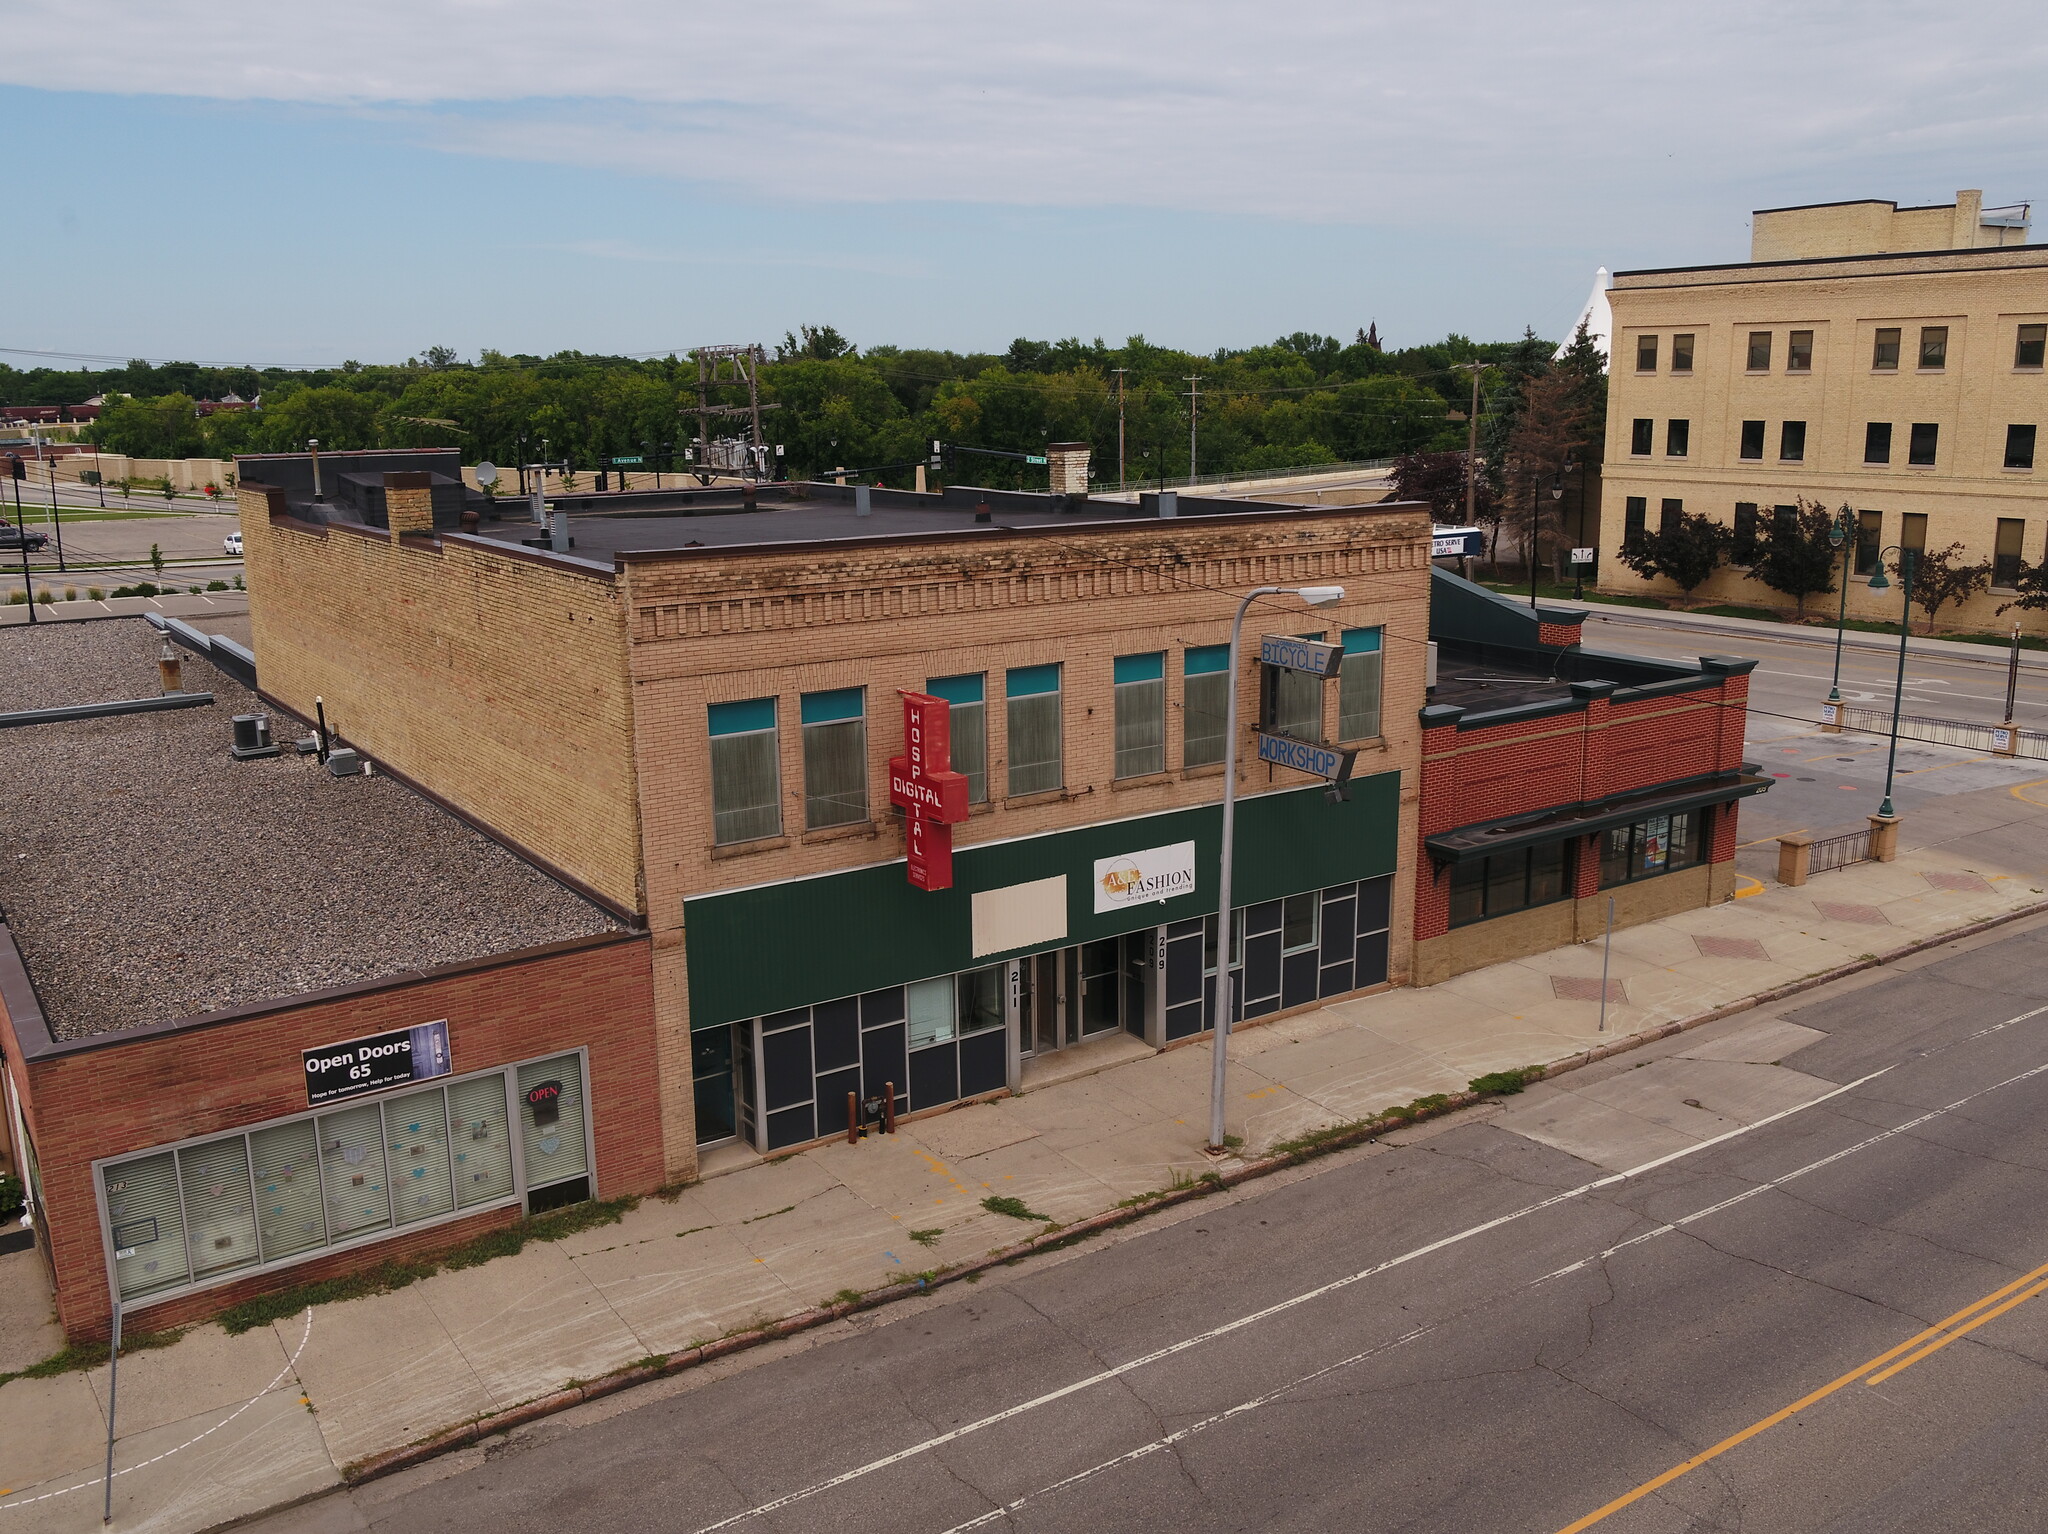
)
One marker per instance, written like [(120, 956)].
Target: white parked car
[(232, 544)]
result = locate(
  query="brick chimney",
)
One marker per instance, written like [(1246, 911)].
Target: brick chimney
[(409, 502), (1066, 467)]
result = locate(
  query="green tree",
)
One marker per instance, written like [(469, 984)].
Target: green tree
[(1793, 554), (1942, 576), (162, 427), (1685, 554)]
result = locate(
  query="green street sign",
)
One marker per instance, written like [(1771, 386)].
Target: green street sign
[(1033, 458), (628, 460)]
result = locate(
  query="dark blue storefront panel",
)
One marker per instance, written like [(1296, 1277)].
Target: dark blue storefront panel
[(836, 1033), (884, 1058), (935, 1075), (984, 1062), (786, 1075)]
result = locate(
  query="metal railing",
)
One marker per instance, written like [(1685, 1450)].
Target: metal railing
[(1261, 476), (1944, 732), (1838, 851)]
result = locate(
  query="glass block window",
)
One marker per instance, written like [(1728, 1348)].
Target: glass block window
[(968, 696), (835, 758), (1205, 703), (1033, 696), (746, 775), (1358, 686), (1140, 684)]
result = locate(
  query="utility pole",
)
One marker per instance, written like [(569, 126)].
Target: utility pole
[(1472, 445), (1120, 425), (1194, 416)]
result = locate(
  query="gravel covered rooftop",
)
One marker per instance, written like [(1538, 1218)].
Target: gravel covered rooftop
[(148, 876)]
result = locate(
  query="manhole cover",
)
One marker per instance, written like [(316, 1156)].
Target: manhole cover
[(1809, 780)]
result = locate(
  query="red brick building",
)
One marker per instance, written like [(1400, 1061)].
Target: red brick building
[(1556, 778)]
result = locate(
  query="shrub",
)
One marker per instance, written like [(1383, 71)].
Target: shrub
[(238, 583), (216, 585), (46, 596), (71, 593), (12, 1196), (93, 593), (17, 598)]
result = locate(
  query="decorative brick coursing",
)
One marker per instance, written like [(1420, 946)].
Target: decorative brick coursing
[(1558, 636), (496, 682), (133, 1093)]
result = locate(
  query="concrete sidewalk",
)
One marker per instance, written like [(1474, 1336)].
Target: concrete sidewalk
[(217, 1427)]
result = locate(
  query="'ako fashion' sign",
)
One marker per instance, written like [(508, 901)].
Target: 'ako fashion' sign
[(1144, 878), (923, 784)]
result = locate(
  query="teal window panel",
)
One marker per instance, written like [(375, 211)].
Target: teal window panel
[(1141, 668), (959, 689), (1361, 641), (1030, 681), (1201, 660), (833, 707), (743, 718)]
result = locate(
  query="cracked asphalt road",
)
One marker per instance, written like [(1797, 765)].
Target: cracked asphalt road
[(1518, 1379)]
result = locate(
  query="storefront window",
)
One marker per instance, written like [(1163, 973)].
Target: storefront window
[(1659, 845), (931, 1011), (1509, 881), (980, 996), (288, 1189)]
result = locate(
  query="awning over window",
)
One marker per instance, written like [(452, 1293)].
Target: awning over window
[(1488, 837)]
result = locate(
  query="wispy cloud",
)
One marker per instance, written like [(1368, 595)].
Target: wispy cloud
[(712, 255), (1494, 115)]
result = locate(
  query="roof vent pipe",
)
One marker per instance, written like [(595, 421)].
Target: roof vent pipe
[(1169, 503), (170, 667), (862, 501), (981, 513)]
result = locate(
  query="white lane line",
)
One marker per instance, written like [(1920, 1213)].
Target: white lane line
[(1009, 1413), (1168, 1441), (100, 1480)]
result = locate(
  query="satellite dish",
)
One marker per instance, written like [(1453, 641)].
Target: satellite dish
[(487, 473)]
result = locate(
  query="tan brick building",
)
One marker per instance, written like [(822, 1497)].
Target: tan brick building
[(690, 715), (1881, 358)]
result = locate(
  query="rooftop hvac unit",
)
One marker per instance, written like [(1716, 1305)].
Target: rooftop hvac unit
[(252, 737)]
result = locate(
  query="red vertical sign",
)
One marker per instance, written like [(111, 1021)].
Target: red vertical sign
[(931, 795)]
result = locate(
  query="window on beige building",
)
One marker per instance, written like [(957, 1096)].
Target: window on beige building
[(1668, 514), (968, 697), (1792, 442), (1745, 550), (2019, 447), (1681, 354), (1877, 442), (2005, 559), (1646, 354), (1920, 448), (1884, 350), (745, 778), (1033, 696), (1933, 346), (1677, 438), (2032, 343), (1752, 439), (1204, 675), (1913, 531), (1759, 351), (1635, 519), (1799, 352), (1869, 540), (1641, 434), (1140, 687)]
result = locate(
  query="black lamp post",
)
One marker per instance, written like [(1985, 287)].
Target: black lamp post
[(1838, 537), (1907, 558), (1556, 494)]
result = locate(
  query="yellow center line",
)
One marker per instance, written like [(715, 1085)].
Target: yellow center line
[(1939, 1330), (2018, 792), (1962, 1331)]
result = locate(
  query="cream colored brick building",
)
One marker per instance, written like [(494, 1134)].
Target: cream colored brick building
[(1881, 358)]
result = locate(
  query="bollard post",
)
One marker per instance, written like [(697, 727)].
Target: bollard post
[(853, 1118), (889, 1107), (1795, 858)]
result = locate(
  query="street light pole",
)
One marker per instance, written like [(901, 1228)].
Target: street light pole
[(1219, 1060), (1907, 558), (1838, 535)]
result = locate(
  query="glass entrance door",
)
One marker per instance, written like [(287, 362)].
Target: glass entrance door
[(1100, 968), (712, 1073)]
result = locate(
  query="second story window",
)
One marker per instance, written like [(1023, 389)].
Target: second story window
[(1877, 442), (2019, 447), (746, 777), (1204, 699), (1358, 686), (1033, 696), (969, 718), (1799, 352), (1792, 442), (1921, 445), (1681, 354), (1933, 346), (1677, 438), (835, 758), (1291, 702), (1759, 351), (2028, 349), (1642, 434), (1646, 354), (1884, 350), (1752, 439), (1140, 682)]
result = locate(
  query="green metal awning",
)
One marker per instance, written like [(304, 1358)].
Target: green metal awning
[(1488, 837)]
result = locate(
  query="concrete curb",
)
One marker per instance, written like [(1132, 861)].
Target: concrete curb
[(1340, 1138)]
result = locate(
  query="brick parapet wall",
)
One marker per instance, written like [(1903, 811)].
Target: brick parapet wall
[(495, 681), (127, 1095)]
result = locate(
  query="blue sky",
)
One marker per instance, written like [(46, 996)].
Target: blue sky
[(290, 183)]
